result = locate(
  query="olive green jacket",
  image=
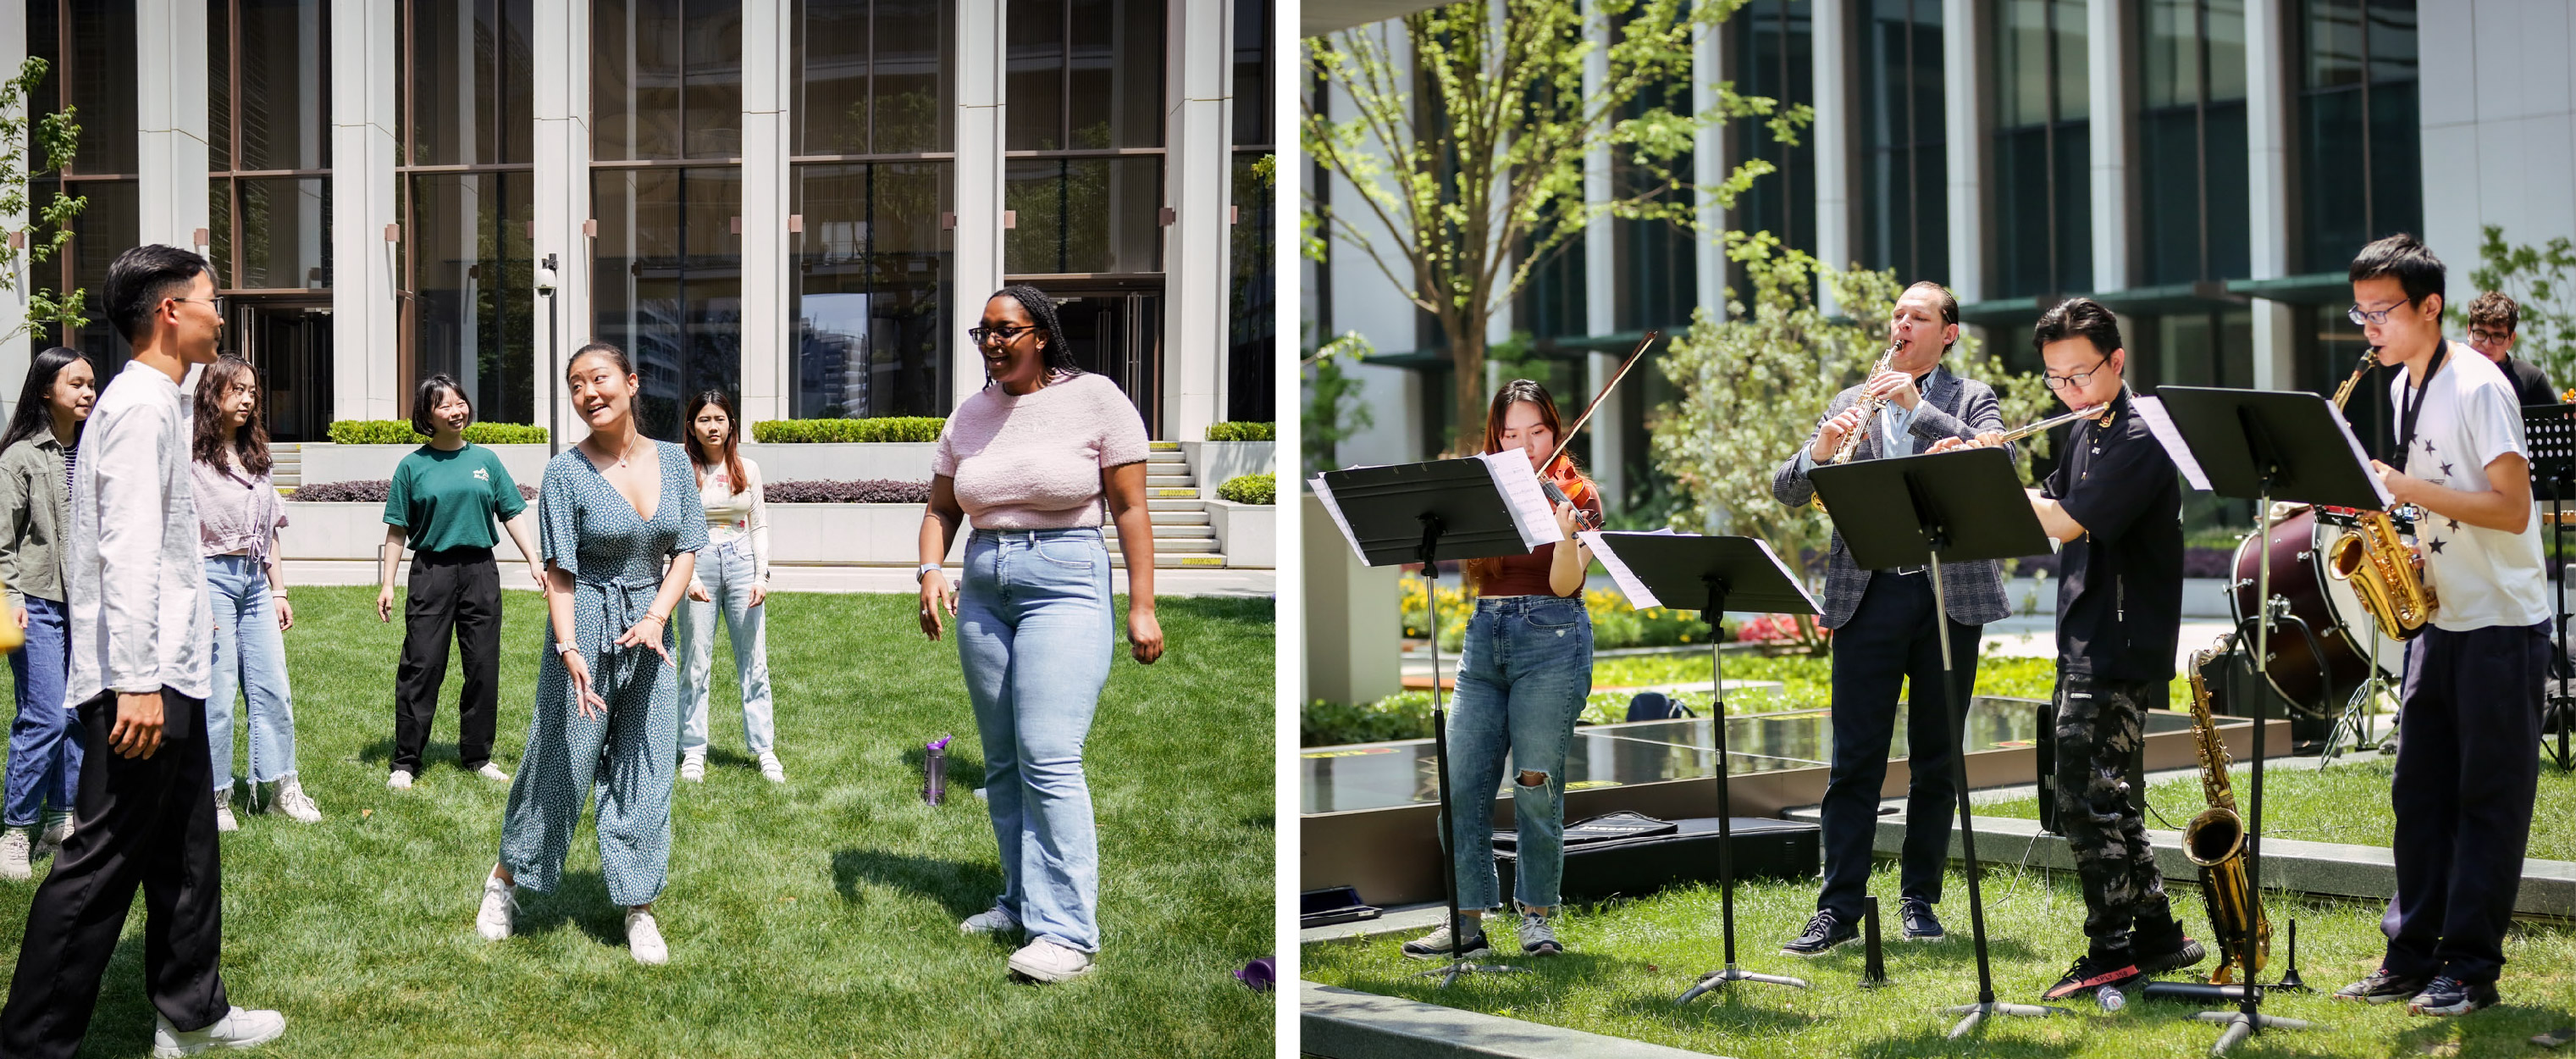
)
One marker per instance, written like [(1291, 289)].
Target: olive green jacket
[(34, 508)]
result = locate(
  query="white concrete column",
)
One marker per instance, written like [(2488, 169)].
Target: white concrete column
[(1963, 56), (170, 121), (365, 309), (979, 185), (1834, 119), (560, 98), (2268, 68), (2106, 31), (1600, 275), (1709, 168), (18, 348), (1199, 167), (768, 344)]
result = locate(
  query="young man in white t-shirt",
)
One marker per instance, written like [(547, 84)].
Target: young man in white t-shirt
[(2473, 695)]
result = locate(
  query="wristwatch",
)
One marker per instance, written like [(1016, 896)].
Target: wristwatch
[(922, 572), (563, 648)]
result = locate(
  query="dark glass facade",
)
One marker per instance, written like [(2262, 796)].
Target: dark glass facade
[(2194, 220), (467, 191), (2042, 205), (666, 282), (1771, 53), (871, 285), (1902, 142), (2359, 148), (665, 80)]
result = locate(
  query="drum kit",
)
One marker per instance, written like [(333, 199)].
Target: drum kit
[(2344, 659)]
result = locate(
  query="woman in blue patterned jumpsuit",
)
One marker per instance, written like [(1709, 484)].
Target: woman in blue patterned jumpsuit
[(611, 512)]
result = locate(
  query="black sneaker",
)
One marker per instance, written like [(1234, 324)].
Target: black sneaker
[(2451, 996), (2384, 988), (1920, 923), (1823, 932), (2162, 947), (1435, 945), (2093, 971)]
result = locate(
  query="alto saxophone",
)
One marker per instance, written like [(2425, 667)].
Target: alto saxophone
[(2385, 573), (2215, 840)]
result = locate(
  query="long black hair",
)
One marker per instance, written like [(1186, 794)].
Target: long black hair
[(1059, 353), (730, 455), (35, 400)]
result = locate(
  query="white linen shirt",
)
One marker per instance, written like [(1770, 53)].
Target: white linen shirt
[(137, 586)]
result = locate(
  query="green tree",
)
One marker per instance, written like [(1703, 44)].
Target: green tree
[(1467, 139), (32, 242), (1752, 386), (1333, 409), (2542, 282)]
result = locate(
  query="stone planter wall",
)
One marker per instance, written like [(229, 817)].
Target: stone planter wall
[(1216, 461), (1248, 534), (906, 461)]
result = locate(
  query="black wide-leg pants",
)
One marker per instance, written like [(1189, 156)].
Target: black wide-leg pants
[(458, 591), (2468, 765)]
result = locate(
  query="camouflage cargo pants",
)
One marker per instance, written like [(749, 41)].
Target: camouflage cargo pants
[(2099, 725)]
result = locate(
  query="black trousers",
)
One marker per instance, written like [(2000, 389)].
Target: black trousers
[(457, 590), (147, 822), (1889, 642), (2468, 765)]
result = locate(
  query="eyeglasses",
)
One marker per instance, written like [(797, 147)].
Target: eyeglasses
[(2483, 337), (2359, 315), (217, 302), (2072, 378), (1002, 335)]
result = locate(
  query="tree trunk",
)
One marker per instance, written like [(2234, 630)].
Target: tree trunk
[(1467, 352)]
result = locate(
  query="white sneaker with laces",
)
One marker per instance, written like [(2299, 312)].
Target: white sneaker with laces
[(14, 855), (239, 1028), (492, 772), (1047, 960), (994, 920), (770, 767), (644, 938), (693, 766), (399, 781), (292, 800), (224, 817), (500, 908)]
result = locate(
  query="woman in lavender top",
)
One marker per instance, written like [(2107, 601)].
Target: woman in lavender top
[(238, 516), (1038, 459)]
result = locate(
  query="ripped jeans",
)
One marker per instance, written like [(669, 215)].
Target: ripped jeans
[(1523, 675)]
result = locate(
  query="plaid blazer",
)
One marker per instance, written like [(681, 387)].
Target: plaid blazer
[(1952, 407)]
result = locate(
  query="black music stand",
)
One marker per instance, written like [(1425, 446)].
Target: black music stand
[(1423, 512), (2550, 431), (1722, 572), (1950, 507), (2263, 446)]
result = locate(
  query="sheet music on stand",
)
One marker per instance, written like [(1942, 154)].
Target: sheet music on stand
[(1325, 493), (1532, 516), (1639, 596), (2152, 412)]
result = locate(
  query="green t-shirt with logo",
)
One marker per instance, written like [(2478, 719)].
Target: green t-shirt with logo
[(449, 499)]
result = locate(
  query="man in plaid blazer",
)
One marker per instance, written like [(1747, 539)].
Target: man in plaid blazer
[(1884, 637)]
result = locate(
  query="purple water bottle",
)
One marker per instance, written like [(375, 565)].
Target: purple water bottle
[(934, 761)]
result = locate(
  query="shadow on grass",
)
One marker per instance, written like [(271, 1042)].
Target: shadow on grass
[(1726, 1010), (381, 752), (965, 764), (961, 888), (579, 898), (1992, 1039)]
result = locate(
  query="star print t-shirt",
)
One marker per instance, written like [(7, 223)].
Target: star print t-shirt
[(2479, 577)]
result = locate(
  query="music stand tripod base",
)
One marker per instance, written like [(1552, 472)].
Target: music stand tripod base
[(2239, 1028), (1976, 1013), (1450, 972), (1716, 979)]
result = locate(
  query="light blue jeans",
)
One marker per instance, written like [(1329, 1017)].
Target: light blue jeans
[(249, 657), (728, 573), (1033, 632), (1523, 674), (45, 739)]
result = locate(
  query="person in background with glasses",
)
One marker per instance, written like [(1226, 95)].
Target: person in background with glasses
[(1039, 458), (2115, 503), (2493, 319)]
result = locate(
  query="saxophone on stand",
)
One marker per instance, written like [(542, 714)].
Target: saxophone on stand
[(2215, 840)]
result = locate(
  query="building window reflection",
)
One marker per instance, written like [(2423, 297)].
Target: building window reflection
[(872, 279), (1903, 178), (2192, 191), (2042, 206), (90, 46), (666, 282), (466, 183), (2359, 142)]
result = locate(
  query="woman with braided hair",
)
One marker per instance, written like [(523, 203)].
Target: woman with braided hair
[(1039, 458)]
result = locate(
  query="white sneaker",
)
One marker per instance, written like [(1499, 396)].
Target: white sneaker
[(399, 781), (14, 855), (239, 1028), (500, 908), (1047, 961), (294, 802), (492, 772), (693, 766), (770, 767), (993, 920), (644, 939), (224, 817)]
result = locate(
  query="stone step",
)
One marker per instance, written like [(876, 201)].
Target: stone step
[(1158, 504), (1163, 446), (1164, 532), (1175, 544), (1178, 518), (1167, 456), (1170, 481), (1169, 493)]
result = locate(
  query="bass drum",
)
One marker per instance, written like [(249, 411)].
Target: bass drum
[(2331, 609)]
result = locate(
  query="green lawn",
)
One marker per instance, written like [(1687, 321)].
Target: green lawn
[(1627, 961), (2347, 802), (817, 918)]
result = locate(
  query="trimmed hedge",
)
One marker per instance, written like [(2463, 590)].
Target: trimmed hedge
[(816, 431), (872, 491), (1250, 489), (399, 432), (366, 491), (1234, 430)]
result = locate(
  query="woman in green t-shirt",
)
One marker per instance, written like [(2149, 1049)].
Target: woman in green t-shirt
[(444, 499)]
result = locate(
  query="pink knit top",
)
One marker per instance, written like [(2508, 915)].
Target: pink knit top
[(1034, 462)]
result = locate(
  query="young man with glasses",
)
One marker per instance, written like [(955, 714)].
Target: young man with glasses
[(2469, 764), (1884, 636), (2115, 502), (2492, 321)]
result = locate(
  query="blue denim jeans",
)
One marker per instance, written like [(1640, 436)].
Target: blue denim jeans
[(728, 573), (45, 740), (1033, 632), (249, 657), (1523, 674)]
